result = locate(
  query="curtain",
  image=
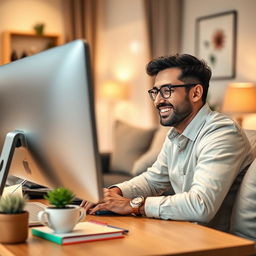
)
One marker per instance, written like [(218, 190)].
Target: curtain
[(80, 17), (164, 25), (164, 28)]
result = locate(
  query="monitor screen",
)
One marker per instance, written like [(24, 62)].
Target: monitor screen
[(49, 98)]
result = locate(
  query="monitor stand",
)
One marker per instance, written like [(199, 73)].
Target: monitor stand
[(13, 140)]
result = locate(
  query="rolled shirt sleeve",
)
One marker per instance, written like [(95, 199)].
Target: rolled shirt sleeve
[(218, 164), (151, 183)]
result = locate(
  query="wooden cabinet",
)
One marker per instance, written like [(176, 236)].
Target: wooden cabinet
[(16, 44)]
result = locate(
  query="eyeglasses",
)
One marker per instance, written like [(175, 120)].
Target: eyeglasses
[(166, 90)]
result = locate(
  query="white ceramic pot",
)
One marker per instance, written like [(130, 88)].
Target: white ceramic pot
[(62, 220)]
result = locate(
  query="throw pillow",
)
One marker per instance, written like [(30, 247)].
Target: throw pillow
[(148, 158), (129, 143)]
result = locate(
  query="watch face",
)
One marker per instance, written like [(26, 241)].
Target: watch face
[(137, 200)]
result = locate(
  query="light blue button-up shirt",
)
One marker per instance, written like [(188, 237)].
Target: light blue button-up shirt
[(202, 165)]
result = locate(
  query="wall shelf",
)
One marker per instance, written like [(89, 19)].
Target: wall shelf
[(17, 44)]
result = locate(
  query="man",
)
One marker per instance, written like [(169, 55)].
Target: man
[(203, 158)]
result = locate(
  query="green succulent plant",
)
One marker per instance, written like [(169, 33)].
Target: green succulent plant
[(12, 204), (60, 197)]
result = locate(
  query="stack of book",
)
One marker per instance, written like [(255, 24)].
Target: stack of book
[(83, 232)]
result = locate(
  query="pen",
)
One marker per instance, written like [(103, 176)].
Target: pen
[(111, 226), (22, 183), (124, 230)]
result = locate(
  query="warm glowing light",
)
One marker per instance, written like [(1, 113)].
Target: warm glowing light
[(123, 74), (249, 122), (112, 90), (240, 100), (135, 46), (242, 85)]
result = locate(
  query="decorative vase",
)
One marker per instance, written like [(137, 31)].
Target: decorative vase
[(14, 227)]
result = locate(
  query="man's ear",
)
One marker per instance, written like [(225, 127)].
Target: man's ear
[(196, 93)]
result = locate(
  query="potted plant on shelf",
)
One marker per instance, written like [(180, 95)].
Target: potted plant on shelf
[(13, 219), (39, 29), (61, 216)]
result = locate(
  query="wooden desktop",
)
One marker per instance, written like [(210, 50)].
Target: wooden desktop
[(146, 237)]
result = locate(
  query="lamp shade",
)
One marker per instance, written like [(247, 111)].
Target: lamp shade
[(113, 91), (240, 98)]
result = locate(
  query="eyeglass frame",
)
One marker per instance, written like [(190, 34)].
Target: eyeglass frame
[(169, 86)]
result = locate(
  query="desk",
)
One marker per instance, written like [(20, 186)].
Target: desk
[(146, 237)]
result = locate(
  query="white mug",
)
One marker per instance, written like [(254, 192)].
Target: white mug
[(61, 220)]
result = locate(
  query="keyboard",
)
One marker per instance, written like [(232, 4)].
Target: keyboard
[(35, 193), (33, 209)]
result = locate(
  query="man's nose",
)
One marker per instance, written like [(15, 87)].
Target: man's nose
[(159, 99)]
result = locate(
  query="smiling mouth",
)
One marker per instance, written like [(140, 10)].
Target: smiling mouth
[(165, 111)]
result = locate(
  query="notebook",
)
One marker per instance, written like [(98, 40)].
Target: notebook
[(33, 209), (83, 232)]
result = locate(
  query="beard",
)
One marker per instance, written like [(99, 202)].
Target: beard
[(178, 113)]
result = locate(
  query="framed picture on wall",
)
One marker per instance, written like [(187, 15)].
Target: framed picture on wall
[(216, 43)]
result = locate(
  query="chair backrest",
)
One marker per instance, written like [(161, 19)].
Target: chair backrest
[(243, 219)]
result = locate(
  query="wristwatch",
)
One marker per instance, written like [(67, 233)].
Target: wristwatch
[(136, 203)]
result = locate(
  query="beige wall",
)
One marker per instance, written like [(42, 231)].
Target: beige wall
[(246, 38), (122, 56), (122, 53), (22, 15)]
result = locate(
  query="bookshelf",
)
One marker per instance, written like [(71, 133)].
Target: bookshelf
[(16, 44)]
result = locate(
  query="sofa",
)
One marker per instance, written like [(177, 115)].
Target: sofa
[(135, 149)]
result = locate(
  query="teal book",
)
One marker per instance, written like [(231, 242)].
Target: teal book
[(83, 232)]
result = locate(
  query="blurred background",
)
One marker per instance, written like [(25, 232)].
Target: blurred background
[(124, 35)]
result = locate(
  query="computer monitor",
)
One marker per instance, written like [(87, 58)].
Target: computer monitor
[(47, 112)]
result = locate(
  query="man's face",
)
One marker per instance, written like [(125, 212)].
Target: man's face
[(174, 110)]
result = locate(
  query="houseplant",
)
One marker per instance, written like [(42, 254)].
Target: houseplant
[(39, 29), (13, 219), (61, 216), (60, 197)]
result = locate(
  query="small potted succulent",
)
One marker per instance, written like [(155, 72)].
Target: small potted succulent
[(60, 215), (60, 198), (13, 219)]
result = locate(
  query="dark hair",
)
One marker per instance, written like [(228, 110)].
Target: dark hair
[(193, 69)]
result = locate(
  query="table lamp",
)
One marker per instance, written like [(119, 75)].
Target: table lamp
[(240, 99), (113, 91)]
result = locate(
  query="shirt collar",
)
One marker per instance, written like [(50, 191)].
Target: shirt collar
[(194, 127)]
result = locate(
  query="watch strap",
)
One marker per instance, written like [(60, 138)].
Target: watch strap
[(136, 210)]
